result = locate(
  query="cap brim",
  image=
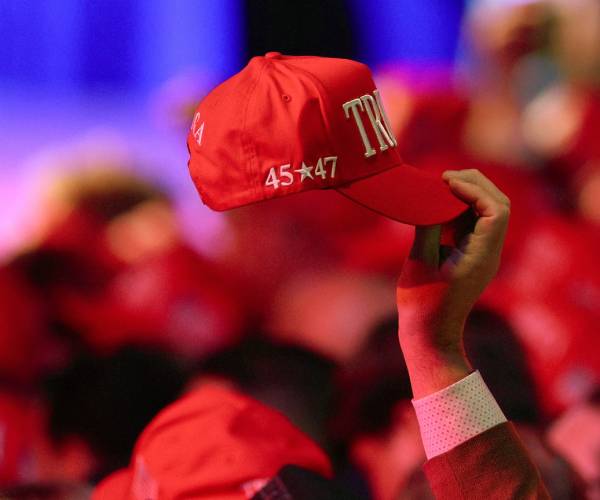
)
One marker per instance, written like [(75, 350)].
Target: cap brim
[(296, 482), (114, 487), (406, 194)]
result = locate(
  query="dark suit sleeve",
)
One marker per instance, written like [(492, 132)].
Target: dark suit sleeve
[(492, 465)]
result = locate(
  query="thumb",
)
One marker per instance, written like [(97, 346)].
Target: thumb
[(426, 245), (424, 258)]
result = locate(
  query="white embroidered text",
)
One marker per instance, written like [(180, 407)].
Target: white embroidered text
[(284, 175)]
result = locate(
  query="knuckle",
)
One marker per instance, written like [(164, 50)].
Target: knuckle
[(504, 211), (481, 176), (477, 176)]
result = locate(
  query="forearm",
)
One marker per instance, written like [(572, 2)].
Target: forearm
[(431, 368), (452, 402), (430, 338), (464, 432)]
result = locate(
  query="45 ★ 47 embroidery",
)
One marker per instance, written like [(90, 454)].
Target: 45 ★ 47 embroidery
[(284, 175)]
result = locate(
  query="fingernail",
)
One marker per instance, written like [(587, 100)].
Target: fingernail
[(449, 173)]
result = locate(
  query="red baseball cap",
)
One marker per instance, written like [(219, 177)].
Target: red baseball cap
[(176, 300), (16, 447), (287, 124), (213, 443)]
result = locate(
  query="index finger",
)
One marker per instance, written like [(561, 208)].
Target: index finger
[(490, 229), (484, 202), (474, 176)]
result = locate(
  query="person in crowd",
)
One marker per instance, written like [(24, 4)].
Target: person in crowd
[(493, 347), (47, 491), (93, 411), (88, 217), (575, 435), (112, 268), (25, 349), (275, 374), (335, 326), (378, 445), (224, 446)]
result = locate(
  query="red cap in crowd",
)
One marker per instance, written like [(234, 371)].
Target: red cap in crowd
[(15, 443), (287, 124), (213, 443), (22, 329), (177, 301)]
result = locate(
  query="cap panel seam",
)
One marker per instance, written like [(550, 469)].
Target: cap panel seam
[(247, 145), (323, 101)]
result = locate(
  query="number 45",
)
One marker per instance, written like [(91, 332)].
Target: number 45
[(284, 173)]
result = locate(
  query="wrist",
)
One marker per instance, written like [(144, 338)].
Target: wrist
[(433, 372), (434, 360), (430, 312), (436, 332)]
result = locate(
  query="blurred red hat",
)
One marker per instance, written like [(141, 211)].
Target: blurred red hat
[(554, 258), (176, 300), (15, 440), (563, 347), (584, 144), (213, 443), (559, 338), (22, 329), (436, 126)]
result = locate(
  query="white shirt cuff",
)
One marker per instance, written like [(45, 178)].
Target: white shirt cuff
[(459, 412)]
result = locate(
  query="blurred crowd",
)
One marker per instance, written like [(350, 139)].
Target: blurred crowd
[(108, 313)]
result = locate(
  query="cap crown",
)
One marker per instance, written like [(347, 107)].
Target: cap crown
[(212, 442), (286, 124)]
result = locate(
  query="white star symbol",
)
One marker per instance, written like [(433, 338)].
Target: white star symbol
[(305, 171)]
